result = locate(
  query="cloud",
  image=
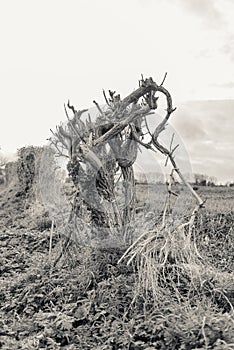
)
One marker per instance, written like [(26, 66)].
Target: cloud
[(227, 48), (190, 125), (206, 10), (207, 130), (204, 131), (227, 85)]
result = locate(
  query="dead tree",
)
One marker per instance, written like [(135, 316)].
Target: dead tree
[(98, 150)]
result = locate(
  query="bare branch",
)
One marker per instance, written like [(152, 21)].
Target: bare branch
[(73, 126), (172, 150), (99, 108), (104, 94), (71, 107), (136, 138), (166, 152), (163, 79), (118, 127)]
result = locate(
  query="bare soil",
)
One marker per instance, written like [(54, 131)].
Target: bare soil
[(88, 301)]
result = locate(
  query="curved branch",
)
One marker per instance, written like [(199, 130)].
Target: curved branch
[(136, 138)]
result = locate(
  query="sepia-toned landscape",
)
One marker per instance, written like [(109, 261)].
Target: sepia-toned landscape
[(117, 175)]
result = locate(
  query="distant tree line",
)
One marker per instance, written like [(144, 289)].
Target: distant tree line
[(204, 180), (157, 178)]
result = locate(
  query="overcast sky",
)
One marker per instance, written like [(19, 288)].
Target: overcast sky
[(55, 50)]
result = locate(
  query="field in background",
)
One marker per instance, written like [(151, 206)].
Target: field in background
[(214, 224), (89, 302), (218, 199)]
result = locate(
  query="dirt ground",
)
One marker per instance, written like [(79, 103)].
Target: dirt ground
[(88, 301)]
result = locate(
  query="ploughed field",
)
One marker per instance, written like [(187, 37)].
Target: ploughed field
[(88, 301)]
